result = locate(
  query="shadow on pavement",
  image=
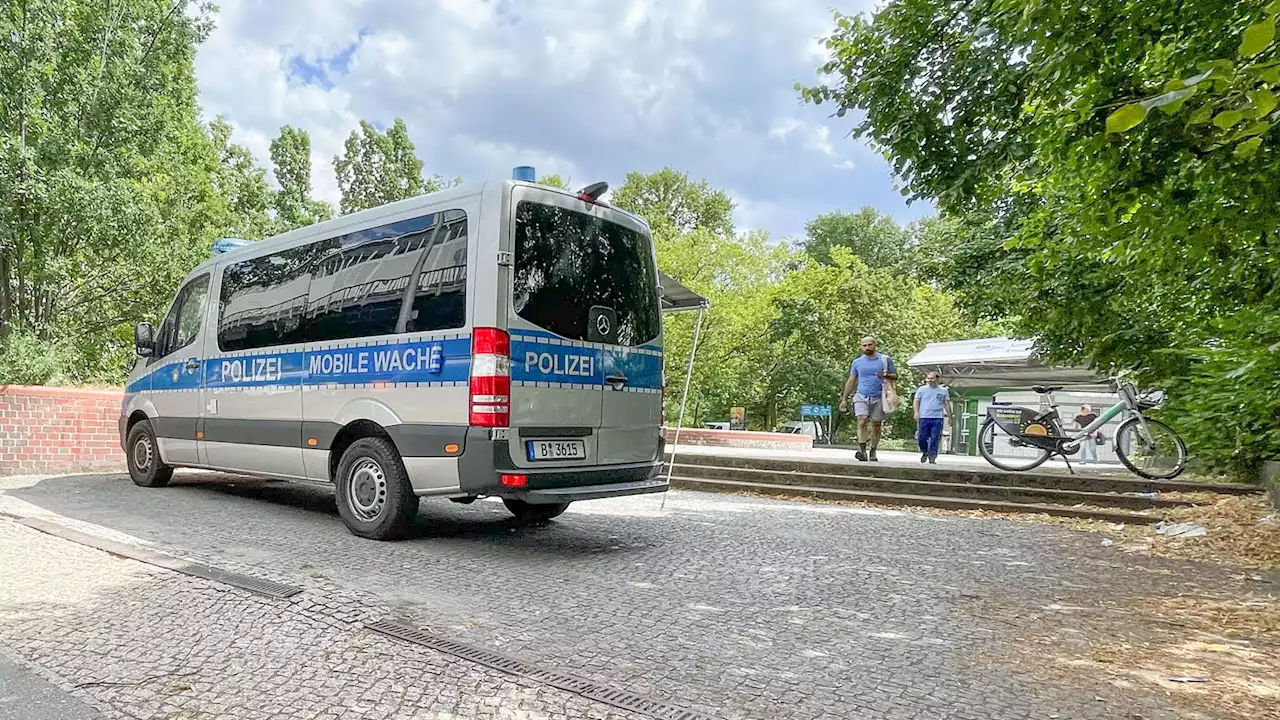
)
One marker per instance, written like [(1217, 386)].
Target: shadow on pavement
[(192, 499)]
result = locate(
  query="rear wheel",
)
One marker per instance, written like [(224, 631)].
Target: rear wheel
[(146, 469), (533, 512), (1017, 456), (374, 496), (1154, 452)]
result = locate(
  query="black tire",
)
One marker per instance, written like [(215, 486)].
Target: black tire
[(1129, 430), (534, 512), (374, 496), (986, 435), (142, 455)]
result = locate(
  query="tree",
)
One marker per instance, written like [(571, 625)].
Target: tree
[(242, 183), (1124, 149), (377, 168), (106, 175), (291, 156), (554, 181), (875, 238), (673, 205)]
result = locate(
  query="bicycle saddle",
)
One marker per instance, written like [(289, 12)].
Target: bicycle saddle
[(1045, 389)]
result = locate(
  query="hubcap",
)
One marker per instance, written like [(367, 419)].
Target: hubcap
[(367, 491), (142, 453)]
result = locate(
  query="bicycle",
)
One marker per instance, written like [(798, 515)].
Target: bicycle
[(1141, 441)]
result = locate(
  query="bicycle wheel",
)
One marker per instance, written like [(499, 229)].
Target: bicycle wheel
[(1156, 453), (1016, 456)]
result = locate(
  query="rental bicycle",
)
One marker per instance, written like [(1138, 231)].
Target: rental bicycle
[(1145, 445)]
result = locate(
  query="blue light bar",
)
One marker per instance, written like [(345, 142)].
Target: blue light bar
[(222, 245), (524, 173)]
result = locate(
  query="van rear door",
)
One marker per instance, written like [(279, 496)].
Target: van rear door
[(585, 330)]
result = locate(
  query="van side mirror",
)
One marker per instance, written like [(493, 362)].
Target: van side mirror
[(144, 342)]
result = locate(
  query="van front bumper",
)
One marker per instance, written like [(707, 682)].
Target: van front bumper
[(484, 461)]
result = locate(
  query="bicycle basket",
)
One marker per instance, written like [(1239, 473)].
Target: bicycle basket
[(1150, 399)]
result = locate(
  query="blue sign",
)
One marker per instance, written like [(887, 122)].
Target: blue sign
[(816, 410)]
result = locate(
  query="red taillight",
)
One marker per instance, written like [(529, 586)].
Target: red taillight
[(490, 378), (516, 481), (490, 341)]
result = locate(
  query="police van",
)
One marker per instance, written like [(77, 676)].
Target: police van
[(500, 340)]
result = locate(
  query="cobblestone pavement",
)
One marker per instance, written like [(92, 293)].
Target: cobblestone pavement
[(139, 642), (733, 607)]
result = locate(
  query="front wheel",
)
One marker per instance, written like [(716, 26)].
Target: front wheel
[(534, 512), (146, 469), (1155, 451), (1020, 457)]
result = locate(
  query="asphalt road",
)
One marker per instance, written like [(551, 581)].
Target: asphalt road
[(26, 696), (730, 606)]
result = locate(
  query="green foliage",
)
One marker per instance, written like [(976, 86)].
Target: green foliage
[(873, 237), (26, 359), (241, 182), (106, 174), (673, 205), (291, 156), (1121, 237), (554, 181), (377, 168)]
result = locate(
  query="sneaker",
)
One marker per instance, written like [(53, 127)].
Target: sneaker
[(924, 457), (933, 461), (873, 456), (861, 455)]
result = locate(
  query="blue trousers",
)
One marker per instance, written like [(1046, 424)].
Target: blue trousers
[(929, 436)]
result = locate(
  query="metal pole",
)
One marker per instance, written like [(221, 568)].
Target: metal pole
[(684, 398)]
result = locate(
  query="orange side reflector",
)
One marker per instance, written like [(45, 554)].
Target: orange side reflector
[(312, 442), (451, 448)]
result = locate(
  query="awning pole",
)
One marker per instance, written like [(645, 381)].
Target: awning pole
[(684, 398)]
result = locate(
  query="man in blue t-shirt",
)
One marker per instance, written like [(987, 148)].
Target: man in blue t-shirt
[(866, 375), (933, 410)]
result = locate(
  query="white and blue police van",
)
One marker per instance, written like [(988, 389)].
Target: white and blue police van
[(499, 340)]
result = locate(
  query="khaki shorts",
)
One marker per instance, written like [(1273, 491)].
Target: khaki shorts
[(872, 407)]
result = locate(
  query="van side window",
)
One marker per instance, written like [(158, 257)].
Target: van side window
[(264, 300), (182, 325), (361, 281)]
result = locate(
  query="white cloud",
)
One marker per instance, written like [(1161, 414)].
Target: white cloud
[(582, 88)]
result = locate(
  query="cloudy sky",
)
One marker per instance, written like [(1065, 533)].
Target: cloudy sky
[(589, 89)]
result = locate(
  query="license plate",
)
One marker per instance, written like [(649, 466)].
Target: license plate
[(557, 449)]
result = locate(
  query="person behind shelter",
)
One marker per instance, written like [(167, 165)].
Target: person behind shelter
[(932, 411), (867, 374), (1088, 446)]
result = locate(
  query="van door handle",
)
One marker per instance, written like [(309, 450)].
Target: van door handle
[(617, 381), (193, 365)]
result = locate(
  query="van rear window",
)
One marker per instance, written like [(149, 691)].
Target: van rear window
[(568, 261)]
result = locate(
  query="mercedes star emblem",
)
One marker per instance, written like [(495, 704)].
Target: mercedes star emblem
[(602, 325)]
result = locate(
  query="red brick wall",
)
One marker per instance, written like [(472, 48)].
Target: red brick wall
[(740, 438), (52, 429)]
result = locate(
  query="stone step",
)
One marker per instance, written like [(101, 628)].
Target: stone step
[(980, 476), (879, 498), (973, 491)]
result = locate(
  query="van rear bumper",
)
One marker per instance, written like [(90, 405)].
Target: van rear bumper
[(484, 461)]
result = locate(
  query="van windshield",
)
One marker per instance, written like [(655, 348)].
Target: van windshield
[(566, 262)]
